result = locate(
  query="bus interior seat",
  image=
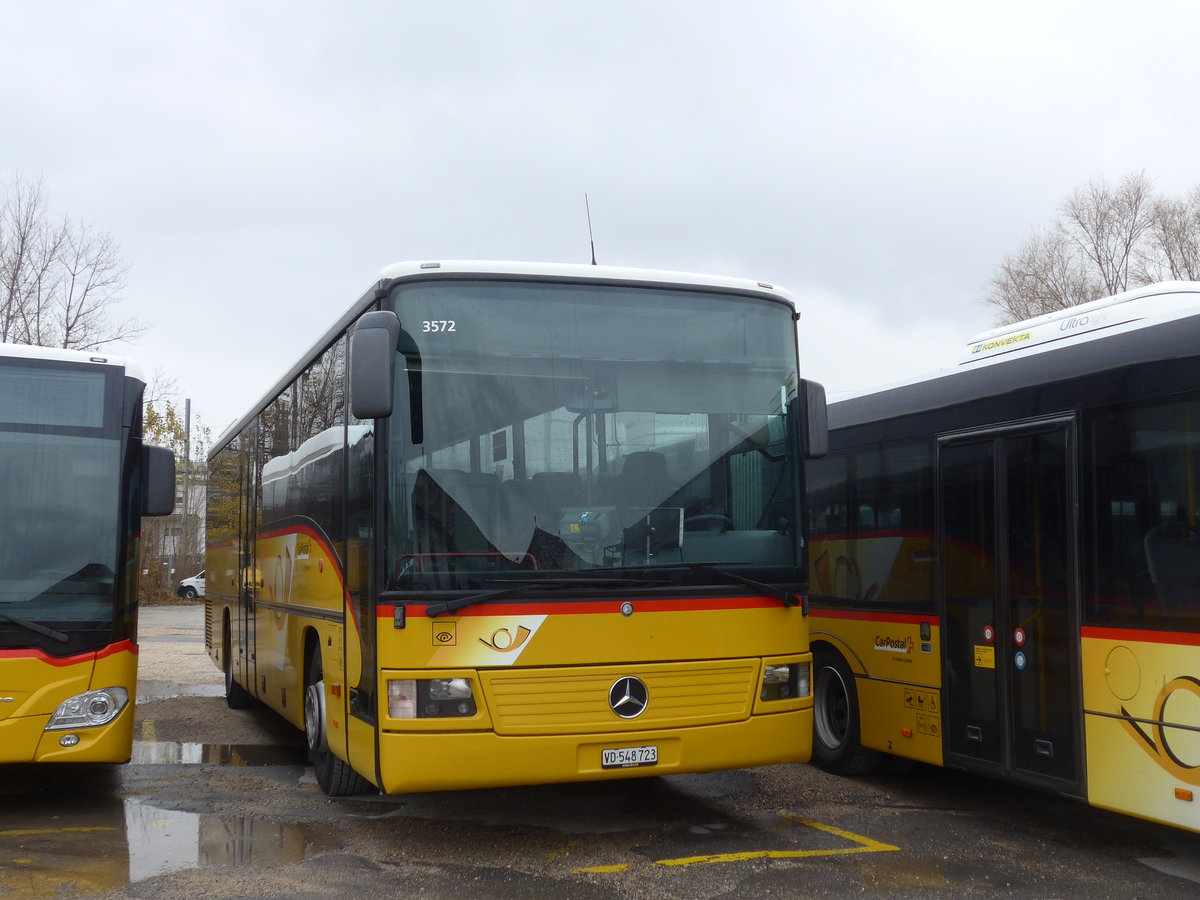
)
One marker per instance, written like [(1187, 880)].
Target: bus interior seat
[(1173, 556), (644, 481), (451, 508), (551, 493)]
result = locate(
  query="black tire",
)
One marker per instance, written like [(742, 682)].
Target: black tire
[(836, 746), (334, 775), (189, 593), (236, 696)]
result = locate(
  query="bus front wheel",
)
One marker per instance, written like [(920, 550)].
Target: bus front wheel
[(836, 746), (334, 775)]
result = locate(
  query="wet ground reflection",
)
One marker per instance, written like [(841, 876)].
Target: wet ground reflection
[(66, 832), (168, 752), (110, 843), (161, 841)]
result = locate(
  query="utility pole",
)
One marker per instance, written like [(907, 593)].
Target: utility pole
[(187, 467)]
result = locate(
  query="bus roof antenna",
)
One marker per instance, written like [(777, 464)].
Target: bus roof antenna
[(591, 239)]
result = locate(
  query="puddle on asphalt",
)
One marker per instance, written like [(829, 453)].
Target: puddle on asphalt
[(131, 841), (105, 843), (149, 750), (169, 752), (162, 841)]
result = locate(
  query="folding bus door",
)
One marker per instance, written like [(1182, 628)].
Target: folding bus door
[(1006, 549), (247, 563)]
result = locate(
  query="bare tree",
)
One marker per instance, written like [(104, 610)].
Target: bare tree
[(59, 281), (1106, 224), (28, 248), (1174, 236), (1044, 275), (162, 390), (1104, 240)]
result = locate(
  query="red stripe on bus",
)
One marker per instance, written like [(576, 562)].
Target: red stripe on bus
[(118, 647), (294, 529), (591, 607), (331, 558), (1138, 635), (857, 616), (78, 659)]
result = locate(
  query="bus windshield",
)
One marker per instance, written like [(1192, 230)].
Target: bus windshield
[(59, 490), (542, 427)]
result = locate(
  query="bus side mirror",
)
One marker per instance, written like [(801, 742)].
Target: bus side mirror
[(816, 419), (373, 364), (158, 481)]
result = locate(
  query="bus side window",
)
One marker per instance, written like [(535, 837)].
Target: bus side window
[(1144, 559)]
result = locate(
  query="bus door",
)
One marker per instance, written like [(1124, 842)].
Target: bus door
[(1006, 545), (248, 565)]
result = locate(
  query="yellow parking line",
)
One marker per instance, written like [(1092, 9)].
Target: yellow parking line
[(868, 845), (601, 870), (862, 845)]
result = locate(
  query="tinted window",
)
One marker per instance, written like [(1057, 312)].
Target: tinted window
[(1143, 556), (60, 478), (303, 473), (870, 513)]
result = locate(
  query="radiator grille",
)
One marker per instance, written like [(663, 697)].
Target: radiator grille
[(575, 700)]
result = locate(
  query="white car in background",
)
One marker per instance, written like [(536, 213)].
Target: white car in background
[(191, 588)]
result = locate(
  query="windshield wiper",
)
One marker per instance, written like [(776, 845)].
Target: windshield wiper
[(787, 598), (37, 628), (433, 610)]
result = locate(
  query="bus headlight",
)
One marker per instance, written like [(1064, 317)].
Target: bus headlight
[(89, 709), (442, 698), (432, 698), (785, 682)]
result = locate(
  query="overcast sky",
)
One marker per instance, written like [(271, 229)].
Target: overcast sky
[(259, 162)]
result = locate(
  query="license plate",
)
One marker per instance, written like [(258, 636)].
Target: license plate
[(626, 757)]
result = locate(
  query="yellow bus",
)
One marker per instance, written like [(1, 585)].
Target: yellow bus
[(75, 479), (513, 523), (1006, 561)]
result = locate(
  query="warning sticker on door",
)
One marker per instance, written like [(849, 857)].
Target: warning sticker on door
[(985, 657)]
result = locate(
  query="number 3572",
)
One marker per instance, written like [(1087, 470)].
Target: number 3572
[(429, 326)]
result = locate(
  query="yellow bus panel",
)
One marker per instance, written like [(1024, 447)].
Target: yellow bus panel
[(38, 684), (1141, 699), (434, 762)]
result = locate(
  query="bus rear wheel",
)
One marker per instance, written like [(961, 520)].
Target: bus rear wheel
[(836, 746), (334, 775)]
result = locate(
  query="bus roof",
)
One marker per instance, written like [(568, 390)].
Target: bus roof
[(1144, 305), (576, 270), (1154, 322), (86, 357)]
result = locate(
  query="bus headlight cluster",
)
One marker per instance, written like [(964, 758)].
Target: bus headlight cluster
[(430, 698), (89, 709), (785, 682)]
